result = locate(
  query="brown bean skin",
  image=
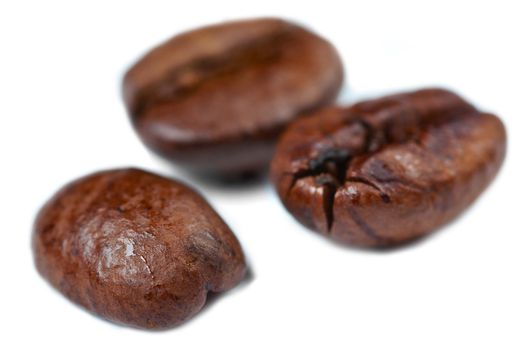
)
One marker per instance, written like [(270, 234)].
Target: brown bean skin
[(387, 171), (215, 99), (135, 248)]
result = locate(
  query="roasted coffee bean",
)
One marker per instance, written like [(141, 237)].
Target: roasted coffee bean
[(135, 248), (387, 171), (216, 98)]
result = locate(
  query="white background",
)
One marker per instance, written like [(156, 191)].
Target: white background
[(62, 117)]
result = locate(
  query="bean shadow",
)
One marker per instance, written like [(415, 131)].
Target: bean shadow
[(241, 183), (204, 183)]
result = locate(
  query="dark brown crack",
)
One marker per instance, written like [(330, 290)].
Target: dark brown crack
[(361, 223), (187, 79), (328, 204), (332, 163), (403, 182), (329, 171)]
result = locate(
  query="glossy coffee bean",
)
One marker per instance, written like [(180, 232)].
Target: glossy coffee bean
[(135, 248), (384, 172), (215, 99)]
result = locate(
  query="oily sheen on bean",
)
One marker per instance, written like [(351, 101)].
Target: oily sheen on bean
[(215, 99), (135, 248), (386, 171)]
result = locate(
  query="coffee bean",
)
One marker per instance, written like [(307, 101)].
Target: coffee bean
[(215, 99), (135, 248), (384, 172)]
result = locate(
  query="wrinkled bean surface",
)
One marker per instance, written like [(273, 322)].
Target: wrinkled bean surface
[(386, 171), (135, 248)]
